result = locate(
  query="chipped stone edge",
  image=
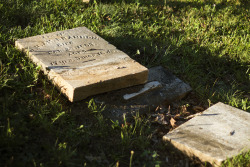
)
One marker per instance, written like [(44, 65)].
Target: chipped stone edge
[(193, 152)]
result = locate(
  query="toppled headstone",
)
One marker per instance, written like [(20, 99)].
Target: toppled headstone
[(162, 87), (219, 133), (81, 64)]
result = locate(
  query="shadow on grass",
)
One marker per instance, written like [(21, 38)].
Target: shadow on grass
[(16, 14)]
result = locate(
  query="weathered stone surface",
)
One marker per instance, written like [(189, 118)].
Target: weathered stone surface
[(219, 133), (81, 64), (162, 87)]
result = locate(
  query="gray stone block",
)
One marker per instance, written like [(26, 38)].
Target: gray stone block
[(162, 87)]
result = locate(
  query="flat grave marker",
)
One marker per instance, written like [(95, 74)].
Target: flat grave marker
[(81, 64), (219, 133), (161, 89)]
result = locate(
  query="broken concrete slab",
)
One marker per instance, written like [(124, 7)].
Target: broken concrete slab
[(162, 88), (219, 133), (172, 87), (81, 64)]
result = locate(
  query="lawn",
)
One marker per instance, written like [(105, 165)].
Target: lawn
[(206, 43)]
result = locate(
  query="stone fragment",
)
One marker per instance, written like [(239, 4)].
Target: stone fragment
[(219, 133), (147, 87), (81, 64), (167, 89)]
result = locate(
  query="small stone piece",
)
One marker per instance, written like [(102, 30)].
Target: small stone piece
[(219, 133), (81, 64), (147, 87)]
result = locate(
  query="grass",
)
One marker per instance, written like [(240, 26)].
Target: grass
[(240, 160), (205, 43)]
